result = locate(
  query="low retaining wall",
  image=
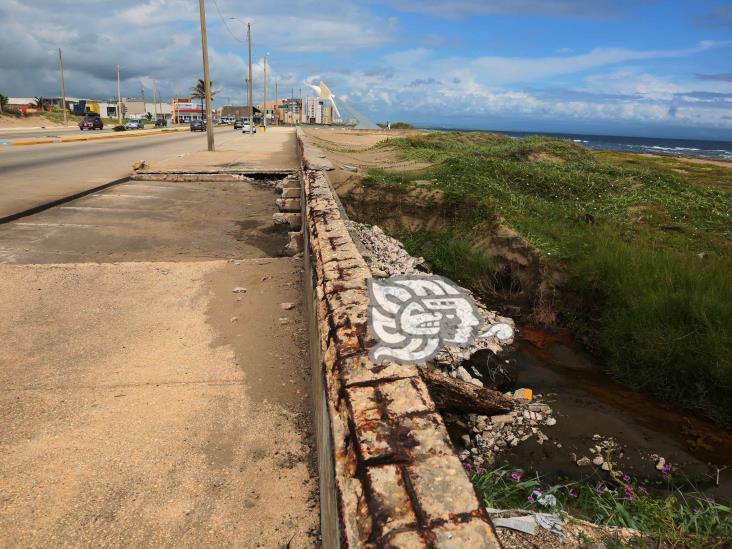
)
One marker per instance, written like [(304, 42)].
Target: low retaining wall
[(389, 474)]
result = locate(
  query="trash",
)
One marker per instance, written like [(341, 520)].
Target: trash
[(526, 524), (239, 290), (287, 306), (523, 394)]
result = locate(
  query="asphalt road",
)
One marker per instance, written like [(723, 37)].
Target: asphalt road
[(21, 133), (38, 174)]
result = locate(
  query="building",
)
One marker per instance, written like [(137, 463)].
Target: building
[(317, 111), (186, 109), (238, 111), (136, 109), (289, 111)]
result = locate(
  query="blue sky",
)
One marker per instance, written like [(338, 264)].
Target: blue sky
[(642, 68)]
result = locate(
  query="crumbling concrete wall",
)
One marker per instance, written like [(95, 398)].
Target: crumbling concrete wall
[(396, 477)]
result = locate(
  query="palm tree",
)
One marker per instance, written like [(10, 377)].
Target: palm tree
[(40, 102), (3, 102), (199, 91)]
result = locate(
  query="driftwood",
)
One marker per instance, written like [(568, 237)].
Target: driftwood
[(455, 394)]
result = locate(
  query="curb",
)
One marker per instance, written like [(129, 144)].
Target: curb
[(59, 201)]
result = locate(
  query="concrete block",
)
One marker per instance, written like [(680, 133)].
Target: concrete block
[(288, 204), (294, 246), (291, 193)]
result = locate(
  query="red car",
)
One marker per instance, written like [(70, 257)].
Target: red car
[(91, 123)]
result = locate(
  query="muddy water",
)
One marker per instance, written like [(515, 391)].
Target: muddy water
[(588, 402)]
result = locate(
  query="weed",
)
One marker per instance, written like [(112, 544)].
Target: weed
[(681, 514), (646, 244)]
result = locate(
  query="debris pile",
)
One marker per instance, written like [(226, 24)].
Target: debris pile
[(480, 363), (488, 436), (385, 255)]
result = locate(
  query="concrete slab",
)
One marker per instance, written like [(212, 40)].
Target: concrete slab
[(146, 404), (270, 151), (143, 220)]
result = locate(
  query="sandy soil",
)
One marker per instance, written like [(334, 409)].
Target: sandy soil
[(724, 163), (27, 122), (149, 417), (352, 154)]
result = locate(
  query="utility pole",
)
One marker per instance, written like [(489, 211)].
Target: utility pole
[(275, 111), (119, 100), (63, 89), (206, 76), (264, 105), (250, 99), (155, 93)]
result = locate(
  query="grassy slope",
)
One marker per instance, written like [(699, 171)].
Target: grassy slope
[(629, 229)]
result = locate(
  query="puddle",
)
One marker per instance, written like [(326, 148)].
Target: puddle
[(587, 401)]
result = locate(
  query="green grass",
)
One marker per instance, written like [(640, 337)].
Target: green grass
[(628, 231), (674, 515)]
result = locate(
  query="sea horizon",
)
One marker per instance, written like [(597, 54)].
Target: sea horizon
[(695, 148)]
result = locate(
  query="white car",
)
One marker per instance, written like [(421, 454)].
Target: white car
[(248, 128)]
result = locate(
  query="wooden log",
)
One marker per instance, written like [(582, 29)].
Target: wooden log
[(460, 396)]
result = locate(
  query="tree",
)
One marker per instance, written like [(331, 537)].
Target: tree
[(3, 102), (148, 116), (40, 102), (199, 91)]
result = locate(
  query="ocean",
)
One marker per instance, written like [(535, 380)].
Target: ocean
[(716, 150)]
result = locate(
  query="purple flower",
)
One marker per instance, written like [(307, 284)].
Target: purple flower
[(629, 494), (530, 499), (643, 490), (479, 470), (600, 490), (710, 499), (667, 469), (468, 466), (626, 478), (516, 476), (572, 493)]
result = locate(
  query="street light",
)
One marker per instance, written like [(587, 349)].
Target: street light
[(249, 80)]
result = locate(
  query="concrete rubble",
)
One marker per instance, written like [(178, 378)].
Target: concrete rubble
[(480, 363)]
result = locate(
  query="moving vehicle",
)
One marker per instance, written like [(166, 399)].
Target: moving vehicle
[(198, 125), (239, 123), (161, 122), (248, 128), (135, 125), (91, 122)]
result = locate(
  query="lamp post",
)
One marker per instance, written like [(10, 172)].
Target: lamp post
[(249, 80)]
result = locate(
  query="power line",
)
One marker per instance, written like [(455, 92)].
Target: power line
[(225, 23)]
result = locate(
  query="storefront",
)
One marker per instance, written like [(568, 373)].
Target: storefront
[(186, 110)]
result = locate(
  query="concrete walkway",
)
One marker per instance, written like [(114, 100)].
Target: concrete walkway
[(143, 401), (265, 151)]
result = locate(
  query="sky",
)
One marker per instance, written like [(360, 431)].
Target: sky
[(648, 68)]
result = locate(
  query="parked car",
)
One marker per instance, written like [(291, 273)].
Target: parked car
[(198, 125), (91, 122), (239, 123), (135, 125), (161, 122), (248, 128)]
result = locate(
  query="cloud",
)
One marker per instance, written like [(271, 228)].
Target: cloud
[(721, 76), (720, 16), (519, 69), (159, 39), (582, 9)]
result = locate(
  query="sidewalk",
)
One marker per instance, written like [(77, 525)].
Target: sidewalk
[(145, 402), (271, 151)]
